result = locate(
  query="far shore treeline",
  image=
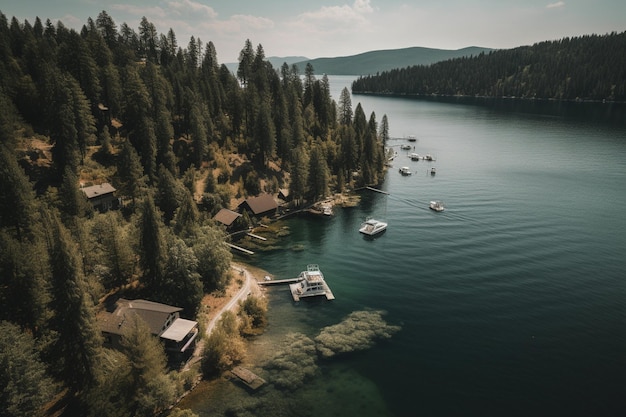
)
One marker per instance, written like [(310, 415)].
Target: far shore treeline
[(589, 67), (179, 137)]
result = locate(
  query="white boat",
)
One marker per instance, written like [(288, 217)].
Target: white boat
[(414, 156), (405, 171), (433, 171), (429, 157), (327, 211), (436, 205), (411, 138), (372, 227), (405, 147), (311, 283)]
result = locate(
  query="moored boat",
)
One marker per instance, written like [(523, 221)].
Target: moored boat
[(311, 283), (414, 156), (405, 171)]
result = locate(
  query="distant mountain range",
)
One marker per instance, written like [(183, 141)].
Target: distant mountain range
[(374, 62)]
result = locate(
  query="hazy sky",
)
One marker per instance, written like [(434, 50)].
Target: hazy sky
[(331, 28)]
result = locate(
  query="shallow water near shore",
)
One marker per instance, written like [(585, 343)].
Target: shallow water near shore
[(510, 302)]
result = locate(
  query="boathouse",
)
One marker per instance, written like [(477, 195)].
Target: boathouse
[(102, 196), (178, 335), (263, 205)]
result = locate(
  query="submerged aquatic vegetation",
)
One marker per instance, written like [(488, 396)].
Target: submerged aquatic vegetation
[(358, 331), (296, 359)]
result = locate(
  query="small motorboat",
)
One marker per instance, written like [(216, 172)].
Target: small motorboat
[(433, 171), (405, 171), (405, 147), (436, 205), (414, 156), (372, 227)]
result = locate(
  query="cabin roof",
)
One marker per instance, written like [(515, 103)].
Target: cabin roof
[(261, 203), (154, 314), (94, 191), (226, 217)]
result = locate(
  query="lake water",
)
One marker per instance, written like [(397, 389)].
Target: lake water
[(511, 302)]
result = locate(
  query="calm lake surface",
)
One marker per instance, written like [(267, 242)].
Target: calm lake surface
[(511, 302)]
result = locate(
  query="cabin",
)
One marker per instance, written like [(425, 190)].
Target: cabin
[(102, 196), (283, 194), (226, 217), (178, 335), (263, 205)]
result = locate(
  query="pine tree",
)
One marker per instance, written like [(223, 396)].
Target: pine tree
[(214, 258), (182, 286), (24, 385), (78, 345), (133, 182), (319, 174), (265, 135), (152, 245), (150, 389), (17, 198)]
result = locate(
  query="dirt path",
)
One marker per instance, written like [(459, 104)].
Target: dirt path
[(219, 305)]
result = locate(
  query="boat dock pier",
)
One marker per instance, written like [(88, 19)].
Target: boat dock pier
[(249, 378), (280, 281), (239, 248)]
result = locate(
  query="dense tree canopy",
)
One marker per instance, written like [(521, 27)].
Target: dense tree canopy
[(581, 68), (179, 137)]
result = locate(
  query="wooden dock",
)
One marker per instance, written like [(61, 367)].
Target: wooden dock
[(249, 378), (239, 248), (256, 236), (377, 190), (280, 281)]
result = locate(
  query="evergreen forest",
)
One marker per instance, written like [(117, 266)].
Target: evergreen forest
[(584, 68), (179, 137)]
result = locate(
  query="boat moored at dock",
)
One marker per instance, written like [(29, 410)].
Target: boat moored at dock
[(311, 284), (405, 171)]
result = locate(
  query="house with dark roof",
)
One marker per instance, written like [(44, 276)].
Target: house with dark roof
[(263, 205), (101, 196), (226, 217), (178, 335)]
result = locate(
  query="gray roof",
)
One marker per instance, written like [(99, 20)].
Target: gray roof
[(179, 329), (154, 314), (98, 190)]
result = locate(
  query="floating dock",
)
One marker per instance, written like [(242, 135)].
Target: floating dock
[(239, 248), (249, 378), (256, 236)]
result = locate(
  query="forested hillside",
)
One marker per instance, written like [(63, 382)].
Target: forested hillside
[(373, 62), (179, 136), (582, 68)]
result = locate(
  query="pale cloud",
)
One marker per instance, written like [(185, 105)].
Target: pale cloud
[(149, 12), (185, 7), (345, 16), (252, 22), (556, 5)]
